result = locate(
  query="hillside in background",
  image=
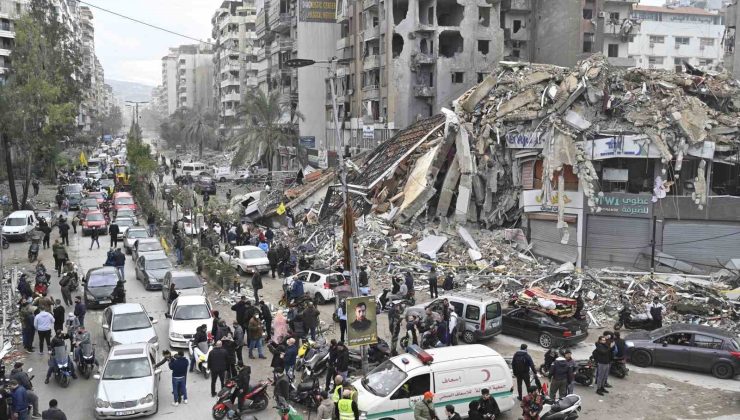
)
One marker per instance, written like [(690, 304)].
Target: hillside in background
[(131, 91)]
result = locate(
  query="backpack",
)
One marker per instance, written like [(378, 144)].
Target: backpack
[(519, 363)]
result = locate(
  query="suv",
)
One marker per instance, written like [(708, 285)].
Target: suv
[(481, 314), (204, 183)]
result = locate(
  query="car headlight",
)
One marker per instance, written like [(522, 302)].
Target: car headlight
[(629, 343), (101, 403), (90, 296), (175, 335), (363, 415), (153, 339), (146, 400)]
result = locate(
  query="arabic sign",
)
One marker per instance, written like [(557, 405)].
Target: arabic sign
[(368, 132), (633, 146), (535, 201), (318, 11), (308, 142), (622, 204), (362, 327), (516, 140)]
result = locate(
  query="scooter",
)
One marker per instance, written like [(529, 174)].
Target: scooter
[(33, 250), (585, 372), (566, 408), (62, 366), (379, 352), (200, 354), (254, 400), (637, 322), (87, 360)]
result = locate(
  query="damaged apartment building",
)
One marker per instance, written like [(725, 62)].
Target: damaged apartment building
[(599, 166), (563, 32), (403, 60)]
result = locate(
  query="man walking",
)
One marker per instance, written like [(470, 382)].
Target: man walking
[(272, 257), (44, 322), (602, 356), (75, 222), (94, 238), (255, 336), (256, 284), (64, 231), (60, 256), (521, 364), (113, 230), (53, 413), (238, 340), (219, 364), (656, 310), (58, 312), (179, 366), (120, 258), (311, 319), (433, 283), (35, 184)]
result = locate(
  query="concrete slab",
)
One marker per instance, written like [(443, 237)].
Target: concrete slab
[(467, 238), (480, 92), (519, 101), (430, 245)]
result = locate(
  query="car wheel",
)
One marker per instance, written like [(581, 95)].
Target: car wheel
[(468, 337), (723, 370), (545, 340), (222, 179), (319, 299), (641, 358)]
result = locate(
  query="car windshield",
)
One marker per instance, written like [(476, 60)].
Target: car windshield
[(137, 233), (95, 217), (191, 312), (206, 179), (73, 188), (16, 221), (158, 264), (132, 321), (253, 253), (124, 200), (384, 379), (186, 282), (127, 369), (124, 222), (45, 214), (102, 280), (149, 246), (125, 213)]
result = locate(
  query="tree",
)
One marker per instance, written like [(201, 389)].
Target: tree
[(198, 127), (263, 132)]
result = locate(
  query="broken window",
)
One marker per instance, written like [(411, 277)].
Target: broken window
[(426, 12), (657, 39), (483, 46), (705, 62), (571, 180), (457, 77), (682, 40), (481, 76), (450, 43), (626, 175), (449, 13), (613, 50), (588, 42), (484, 16), (397, 46), (588, 13), (375, 109), (400, 8), (614, 16)]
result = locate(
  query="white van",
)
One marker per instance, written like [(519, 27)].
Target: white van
[(19, 224), (193, 168), (456, 375)]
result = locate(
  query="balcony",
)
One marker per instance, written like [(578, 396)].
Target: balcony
[(369, 4), (229, 113), (231, 81), (423, 91), (281, 23), (4, 52), (516, 5), (286, 44), (614, 29), (230, 66), (231, 97), (371, 92), (371, 33), (6, 34), (425, 59), (344, 42), (371, 62)]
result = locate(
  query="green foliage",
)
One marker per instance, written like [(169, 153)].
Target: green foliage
[(218, 272), (189, 127), (139, 156), (263, 131)]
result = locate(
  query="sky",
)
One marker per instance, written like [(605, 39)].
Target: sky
[(132, 52)]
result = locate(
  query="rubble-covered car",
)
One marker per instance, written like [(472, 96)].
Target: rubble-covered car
[(318, 284), (542, 328), (686, 346), (246, 259)]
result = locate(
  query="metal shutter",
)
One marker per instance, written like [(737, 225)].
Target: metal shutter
[(617, 241), (546, 240), (683, 240)]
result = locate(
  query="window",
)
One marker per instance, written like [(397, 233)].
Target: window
[(493, 311), (657, 39), (472, 312), (413, 387), (705, 61), (588, 42), (481, 76), (682, 40), (707, 342), (483, 46), (613, 50), (517, 25), (457, 77), (706, 42), (588, 13), (678, 64), (484, 16), (655, 61), (458, 307), (314, 278), (614, 16)]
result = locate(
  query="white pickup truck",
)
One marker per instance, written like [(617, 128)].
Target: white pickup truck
[(224, 173)]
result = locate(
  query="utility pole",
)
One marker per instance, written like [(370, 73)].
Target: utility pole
[(135, 104)]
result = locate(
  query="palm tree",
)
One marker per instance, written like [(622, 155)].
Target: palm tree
[(264, 130), (198, 127)]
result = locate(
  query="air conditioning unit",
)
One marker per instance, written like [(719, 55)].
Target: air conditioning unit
[(602, 15)]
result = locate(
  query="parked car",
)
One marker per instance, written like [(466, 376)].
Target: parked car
[(128, 323), (145, 246), (75, 199), (99, 283), (133, 234), (187, 283), (542, 328), (123, 225), (318, 283), (246, 259), (94, 220), (187, 313), (204, 183), (151, 268), (129, 384), (481, 314), (19, 225), (224, 173), (49, 215), (686, 346)]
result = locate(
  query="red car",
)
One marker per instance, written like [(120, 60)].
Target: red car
[(88, 205), (97, 195), (123, 200), (95, 220)]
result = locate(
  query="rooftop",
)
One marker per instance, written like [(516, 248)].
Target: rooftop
[(676, 10)]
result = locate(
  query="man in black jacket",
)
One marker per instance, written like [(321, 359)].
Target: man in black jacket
[(53, 413), (561, 372), (487, 405), (331, 363), (521, 364), (282, 385), (342, 363), (602, 356), (113, 231), (241, 311), (242, 383), (256, 284), (218, 362), (267, 317), (22, 378)]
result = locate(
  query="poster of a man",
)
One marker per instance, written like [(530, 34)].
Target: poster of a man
[(363, 328)]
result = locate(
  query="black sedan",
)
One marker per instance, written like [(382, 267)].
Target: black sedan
[(686, 346), (75, 199), (542, 328), (99, 284)]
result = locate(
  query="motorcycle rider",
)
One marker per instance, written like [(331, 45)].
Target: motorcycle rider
[(242, 384), (56, 342), (119, 293), (201, 335), (83, 338), (282, 384)]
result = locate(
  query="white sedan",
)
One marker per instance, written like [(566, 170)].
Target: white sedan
[(318, 284), (186, 314), (246, 259), (128, 385)]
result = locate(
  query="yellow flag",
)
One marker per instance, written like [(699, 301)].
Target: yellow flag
[(165, 246), (83, 159), (281, 209)]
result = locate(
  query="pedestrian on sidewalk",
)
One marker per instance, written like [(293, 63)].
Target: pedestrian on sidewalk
[(46, 230), (64, 231), (75, 222), (433, 283), (151, 222), (53, 413), (94, 238), (27, 323), (80, 310), (256, 284), (255, 336), (179, 248), (43, 323), (60, 256)]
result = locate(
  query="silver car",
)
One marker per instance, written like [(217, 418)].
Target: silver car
[(128, 386), (187, 283), (132, 234), (145, 246), (128, 323)]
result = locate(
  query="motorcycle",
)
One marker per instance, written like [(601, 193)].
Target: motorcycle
[(33, 250), (566, 408), (255, 400), (306, 393), (585, 372), (379, 352), (87, 360), (637, 322), (62, 366), (200, 354), (72, 278), (382, 300), (310, 355), (619, 368)]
